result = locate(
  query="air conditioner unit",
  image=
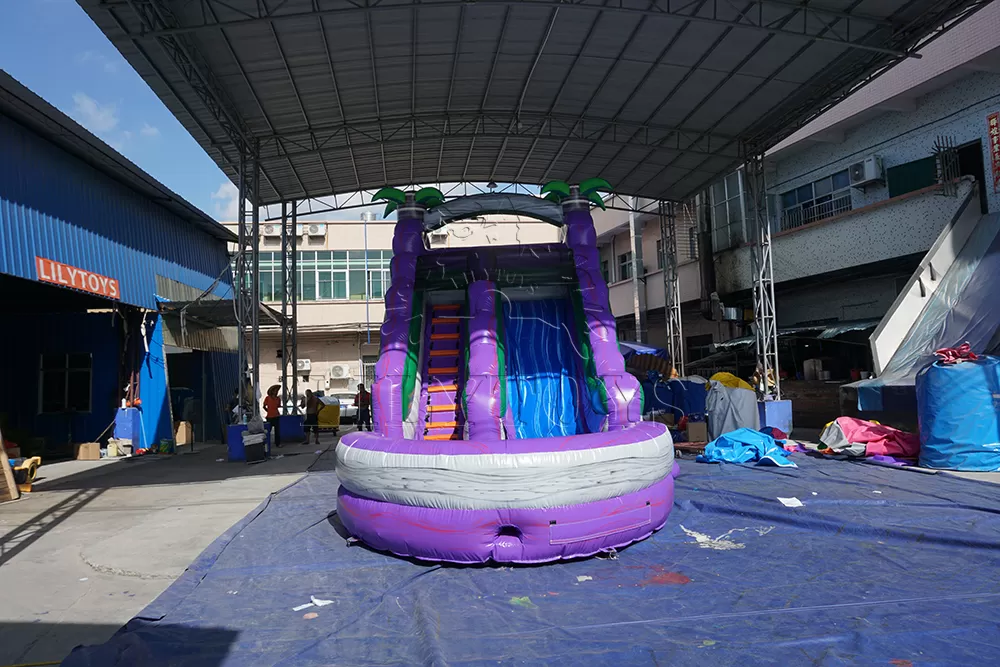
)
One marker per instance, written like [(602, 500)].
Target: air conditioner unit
[(438, 237), (316, 230), (340, 371), (303, 365), (865, 172), (272, 230)]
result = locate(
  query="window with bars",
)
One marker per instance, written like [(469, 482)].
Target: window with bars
[(329, 275), (625, 266), (64, 383), (605, 271), (728, 229), (818, 200)]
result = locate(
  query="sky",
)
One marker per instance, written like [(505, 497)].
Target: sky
[(53, 48)]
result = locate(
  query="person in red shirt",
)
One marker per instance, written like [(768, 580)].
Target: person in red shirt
[(272, 406), (364, 402)]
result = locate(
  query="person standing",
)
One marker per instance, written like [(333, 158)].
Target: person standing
[(312, 406), (271, 410), (364, 402)]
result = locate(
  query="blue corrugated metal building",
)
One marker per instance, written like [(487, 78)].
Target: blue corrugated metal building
[(89, 246)]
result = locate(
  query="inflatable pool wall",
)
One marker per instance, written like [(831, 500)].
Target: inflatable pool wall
[(506, 426)]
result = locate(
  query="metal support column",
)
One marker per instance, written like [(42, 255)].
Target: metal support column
[(248, 284), (287, 236), (294, 314), (765, 321), (635, 228), (671, 285)]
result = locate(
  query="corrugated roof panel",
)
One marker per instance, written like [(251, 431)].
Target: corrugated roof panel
[(56, 207), (492, 47)]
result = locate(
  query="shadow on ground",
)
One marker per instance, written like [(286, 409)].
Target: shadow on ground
[(43, 643)]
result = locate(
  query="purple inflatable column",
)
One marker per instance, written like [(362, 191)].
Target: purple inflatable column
[(387, 392), (482, 388), (624, 393)]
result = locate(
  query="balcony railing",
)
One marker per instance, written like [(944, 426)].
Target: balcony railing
[(803, 214)]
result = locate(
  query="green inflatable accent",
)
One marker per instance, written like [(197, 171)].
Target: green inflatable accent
[(558, 188), (429, 197), (412, 352), (394, 197), (593, 185), (501, 359), (594, 383)]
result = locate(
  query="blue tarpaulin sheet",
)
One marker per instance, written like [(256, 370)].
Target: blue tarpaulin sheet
[(879, 566)]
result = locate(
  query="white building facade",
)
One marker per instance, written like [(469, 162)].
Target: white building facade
[(343, 272)]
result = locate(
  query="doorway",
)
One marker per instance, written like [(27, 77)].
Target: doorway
[(970, 163)]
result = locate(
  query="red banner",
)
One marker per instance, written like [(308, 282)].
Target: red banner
[(57, 273), (993, 127)]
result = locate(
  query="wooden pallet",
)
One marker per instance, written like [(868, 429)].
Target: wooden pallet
[(8, 489)]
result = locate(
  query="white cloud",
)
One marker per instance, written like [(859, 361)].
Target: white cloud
[(96, 117), (226, 205), (148, 130), (95, 59)]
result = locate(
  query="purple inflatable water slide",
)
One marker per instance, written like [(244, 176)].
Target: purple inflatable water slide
[(506, 426)]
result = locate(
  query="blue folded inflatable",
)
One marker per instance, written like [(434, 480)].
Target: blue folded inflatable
[(958, 406), (745, 445)]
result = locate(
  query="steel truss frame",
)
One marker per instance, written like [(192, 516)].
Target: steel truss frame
[(247, 284), (667, 214), (775, 17), (289, 309), (765, 319)]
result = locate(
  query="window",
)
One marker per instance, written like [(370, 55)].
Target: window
[(814, 201), (368, 363), (625, 266), (728, 230), (605, 271), (64, 383), (698, 347), (911, 176), (329, 275), (660, 259)]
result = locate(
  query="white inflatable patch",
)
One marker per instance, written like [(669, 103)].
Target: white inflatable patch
[(492, 481)]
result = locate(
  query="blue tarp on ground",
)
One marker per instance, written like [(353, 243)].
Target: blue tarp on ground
[(879, 567)]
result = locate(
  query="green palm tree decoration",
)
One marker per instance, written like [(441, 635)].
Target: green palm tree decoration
[(557, 191), (429, 197), (590, 188), (394, 196)]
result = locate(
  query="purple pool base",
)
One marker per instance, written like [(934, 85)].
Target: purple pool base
[(507, 535)]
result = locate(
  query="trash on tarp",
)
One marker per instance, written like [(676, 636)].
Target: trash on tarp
[(304, 606), (320, 603), (583, 578), (790, 502)]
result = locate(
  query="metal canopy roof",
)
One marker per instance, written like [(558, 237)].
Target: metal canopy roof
[(657, 96)]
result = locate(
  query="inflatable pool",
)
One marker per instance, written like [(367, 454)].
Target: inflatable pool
[(506, 426)]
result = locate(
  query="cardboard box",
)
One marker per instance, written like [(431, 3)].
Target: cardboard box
[(664, 418), (183, 433), (697, 432), (88, 451)]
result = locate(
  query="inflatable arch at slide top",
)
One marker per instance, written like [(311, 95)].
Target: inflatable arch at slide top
[(506, 426)]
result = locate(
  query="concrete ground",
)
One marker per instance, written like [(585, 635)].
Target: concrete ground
[(97, 541)]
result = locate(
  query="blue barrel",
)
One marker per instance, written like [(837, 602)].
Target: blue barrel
[(958, 406)]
